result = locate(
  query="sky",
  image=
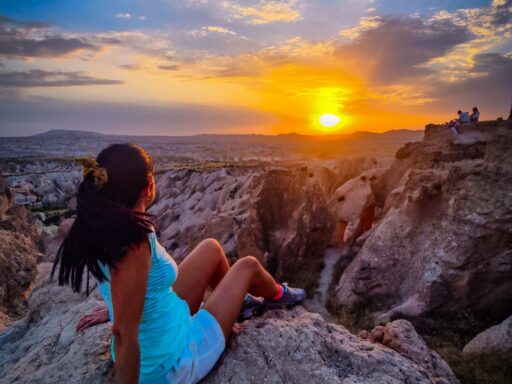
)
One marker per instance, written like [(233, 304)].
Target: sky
[(183, 67)]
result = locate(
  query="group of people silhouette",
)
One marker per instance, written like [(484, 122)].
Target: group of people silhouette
[(464, 117)]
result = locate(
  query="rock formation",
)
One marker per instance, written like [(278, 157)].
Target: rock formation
[(42, 182), (354, 205), (267, 213), (280, 347), (20, 235), (445, 240)]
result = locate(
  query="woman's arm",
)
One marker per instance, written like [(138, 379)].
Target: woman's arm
[(128, 289)]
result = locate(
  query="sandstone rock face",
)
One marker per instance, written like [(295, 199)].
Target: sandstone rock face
[(445, 241), (497, 339), (45, 348), (193, 205), (300, 347), (278, 215), (20, 234)]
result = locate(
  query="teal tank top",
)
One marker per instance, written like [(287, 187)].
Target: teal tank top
[(166, 318)]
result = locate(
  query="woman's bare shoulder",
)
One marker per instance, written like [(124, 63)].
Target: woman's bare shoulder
[(136, 257)]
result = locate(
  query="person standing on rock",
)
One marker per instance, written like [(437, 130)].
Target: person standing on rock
[(161, 331)]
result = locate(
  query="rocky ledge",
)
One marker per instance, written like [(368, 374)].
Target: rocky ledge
[(279, 347)]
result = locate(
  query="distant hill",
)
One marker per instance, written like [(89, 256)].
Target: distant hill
[(66, 133)]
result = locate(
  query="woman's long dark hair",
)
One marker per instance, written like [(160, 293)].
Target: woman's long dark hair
[(105, 226)]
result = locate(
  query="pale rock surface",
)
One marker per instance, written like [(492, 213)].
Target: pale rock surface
[(497, 339), (445, 241), (300, 347)]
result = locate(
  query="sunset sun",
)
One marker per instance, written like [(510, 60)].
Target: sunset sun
[(329, 120)]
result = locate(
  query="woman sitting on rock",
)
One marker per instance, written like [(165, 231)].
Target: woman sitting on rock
[(475, 116), (161, 331)]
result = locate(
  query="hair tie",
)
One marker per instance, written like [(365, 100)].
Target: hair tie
[(91, 166)]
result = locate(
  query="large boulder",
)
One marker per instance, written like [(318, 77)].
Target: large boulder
[(44, 347), (445, 242), (401, 337), (495, 340), (300, 347), (20, 234)]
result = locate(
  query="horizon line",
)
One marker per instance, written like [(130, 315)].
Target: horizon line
[(291, 133)]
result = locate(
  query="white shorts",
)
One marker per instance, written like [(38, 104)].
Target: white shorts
[(205, 345)]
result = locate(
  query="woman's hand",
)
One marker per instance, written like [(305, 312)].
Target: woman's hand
[(97, 316)]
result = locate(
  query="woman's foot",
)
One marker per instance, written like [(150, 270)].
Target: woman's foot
[(252, 306), (290, 296)]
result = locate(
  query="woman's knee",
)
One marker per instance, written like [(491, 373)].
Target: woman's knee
[(248, 263), (213, 246)]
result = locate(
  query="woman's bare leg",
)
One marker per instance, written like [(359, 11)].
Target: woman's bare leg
[(246, 275), (205, 266)]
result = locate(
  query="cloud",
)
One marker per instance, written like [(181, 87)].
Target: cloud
[(501, 12), (221, 30), (36, 39), (491, 75), (365, 24), (397, 48), (131, 67), (171, 67), (41, 78), (125, 15), (264, 12), (212, 29), (488, 86)]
